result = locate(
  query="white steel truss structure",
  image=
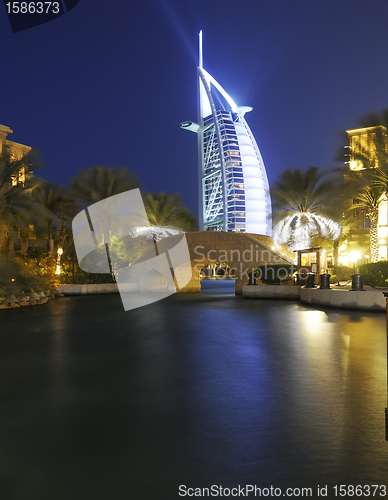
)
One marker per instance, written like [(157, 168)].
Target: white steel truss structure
[(233, 184)]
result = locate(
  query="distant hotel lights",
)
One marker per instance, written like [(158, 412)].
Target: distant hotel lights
[(233, 185)]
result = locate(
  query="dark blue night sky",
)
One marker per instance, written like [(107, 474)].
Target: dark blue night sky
[(109, 82)]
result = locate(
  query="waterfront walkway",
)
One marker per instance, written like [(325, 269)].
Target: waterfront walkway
[(337, 296)]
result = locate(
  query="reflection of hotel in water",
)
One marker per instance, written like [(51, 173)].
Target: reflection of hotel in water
[(233, 185), (366, 145)]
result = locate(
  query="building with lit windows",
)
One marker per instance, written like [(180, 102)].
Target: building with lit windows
[(367, 149), (233, 185), (21, 240), (15, 151)]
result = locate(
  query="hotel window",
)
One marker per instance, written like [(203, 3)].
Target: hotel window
[(355, 143), (364, 143)]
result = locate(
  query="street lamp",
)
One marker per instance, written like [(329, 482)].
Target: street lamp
[(354, 257)]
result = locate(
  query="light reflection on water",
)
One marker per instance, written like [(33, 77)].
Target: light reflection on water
[(197, 389)]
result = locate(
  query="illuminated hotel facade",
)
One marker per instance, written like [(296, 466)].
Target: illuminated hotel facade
[(15, 151), (233, 185), (367, 149), (21, 240)]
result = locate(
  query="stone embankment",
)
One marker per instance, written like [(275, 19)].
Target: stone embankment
[(87, 289), (33, 298), (369, 298)]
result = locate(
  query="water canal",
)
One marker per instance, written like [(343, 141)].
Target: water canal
[(197, 390)]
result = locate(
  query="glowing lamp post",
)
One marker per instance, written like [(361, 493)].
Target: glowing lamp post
[(59, 254), (357, 283), (354, 257)]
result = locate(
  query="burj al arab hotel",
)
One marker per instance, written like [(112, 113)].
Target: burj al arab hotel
[(233, 185)]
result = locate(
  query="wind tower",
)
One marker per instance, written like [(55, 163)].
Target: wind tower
[(233, 186)]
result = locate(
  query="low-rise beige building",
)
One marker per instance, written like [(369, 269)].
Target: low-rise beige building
[(15, 151), (367, 150)]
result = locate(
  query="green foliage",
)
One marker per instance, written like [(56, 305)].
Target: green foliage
[(45, 206), (375, 274), (80, 277), (20, 275), (341, 273), (303, 208), (298, 192), (98, 183), (59, 205), (17, 207), (169, 210), (274, 273)]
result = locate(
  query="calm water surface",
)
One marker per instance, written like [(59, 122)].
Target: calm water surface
[(197, 390)]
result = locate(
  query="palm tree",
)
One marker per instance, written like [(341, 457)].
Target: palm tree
[(346, 188), (169, 210), (18, 209), (100, 183), (370, 198), (60, 206), (301, 201)]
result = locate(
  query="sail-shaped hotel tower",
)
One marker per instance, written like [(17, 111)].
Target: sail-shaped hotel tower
[(233, 185)]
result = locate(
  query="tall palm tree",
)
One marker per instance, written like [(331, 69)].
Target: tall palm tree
[(18, 209), (60, 206), (371, 198), (169, 210), (301, 201), (99, 183)]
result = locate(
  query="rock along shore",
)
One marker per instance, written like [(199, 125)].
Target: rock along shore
[(33, 298)]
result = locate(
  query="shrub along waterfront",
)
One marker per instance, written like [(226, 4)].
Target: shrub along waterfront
[(25, 281), (375, 274), (340, 273)]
